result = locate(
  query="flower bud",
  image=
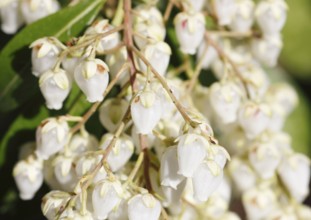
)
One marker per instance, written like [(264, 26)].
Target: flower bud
[(111, 113), (191, 151), (207, 177), (34, 10), (64, 172), (44, 55), (28, 177), (82, 142), (144, 206), (106, 196), (121, 152), (190, 29), (51, 137), (107, 42), (169, 168), (294, 171), (271, 16), (146, 110), (92, 77), (254, 118), (11, 18), (55, 87), (243, 18), (225, 10)]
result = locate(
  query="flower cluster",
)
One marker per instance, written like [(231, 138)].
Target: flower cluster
[(160, 157)]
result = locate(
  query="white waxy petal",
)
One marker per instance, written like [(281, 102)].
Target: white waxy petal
[(51, 137), (207, 53), (173, 195), (121, 152), (225, 10), (82, 142), (28, 177), (294, 171), (55, 87), (146, 110), (144, 206), (191, 151), (34, 10), (169, 168), (196, 5), (92, 77), (120, 212), (105, 197), (11, 18), (190, 29), (64, 172), (243, 18), (206, 179)]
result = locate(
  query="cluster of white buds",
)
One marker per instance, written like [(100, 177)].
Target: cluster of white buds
[(159, 155), (14, 13)]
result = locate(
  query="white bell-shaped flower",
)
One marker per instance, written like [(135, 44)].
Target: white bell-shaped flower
[(243, 176), (144, 206), (303, 212), (225, 99), (106, 196), (86, 164), (224, 190), (92, 77), (28, 177), (64, 172), (115, 61), (264, 158), (216, 207), (69, 64), (121, 152), (173, 195), (254, 118), (55, 87), (146, 111), (107, 42), (11, 18), (111, 113), (44, 55), (34, 10), (195, 5), (259, 202), (82, 142), (207, 53), (243, 18), (267, 49), (277, 119), (235, 141), (219, 155), (119, 212), (169, 168), (148, 12), (51, 137), (191, 151), (294, 171), (190, 29), (271, 16), (207, 177), (225, 10), (52, 202)]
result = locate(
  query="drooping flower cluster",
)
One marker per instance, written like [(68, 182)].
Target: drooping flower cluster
[(160, 157)]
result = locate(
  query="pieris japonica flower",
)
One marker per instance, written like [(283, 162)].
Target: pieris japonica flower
[(52, 202), (121, 152), (158, 54), (44, 55), (267, 49), (11, 18), (169, 168), (191, 151), (224, 10), (33, 10), (144, 206), (92, 77), (69, 64), (303, 212), (111, 113), (106, 196), (259, 202), (216, 207), (82, 142), (243, 17), (119, 212), (190, 31), (207, 53), (254, 118), (225, 98), (107, 42), (196, 5), (173, 195), (55, 87), (206, 178), (264, 157), (271, 16), (28, 177), (236, 143), (295, 173), (51, 137), (146, 111)]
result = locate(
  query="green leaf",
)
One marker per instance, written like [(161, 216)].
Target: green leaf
[(17, 84)]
